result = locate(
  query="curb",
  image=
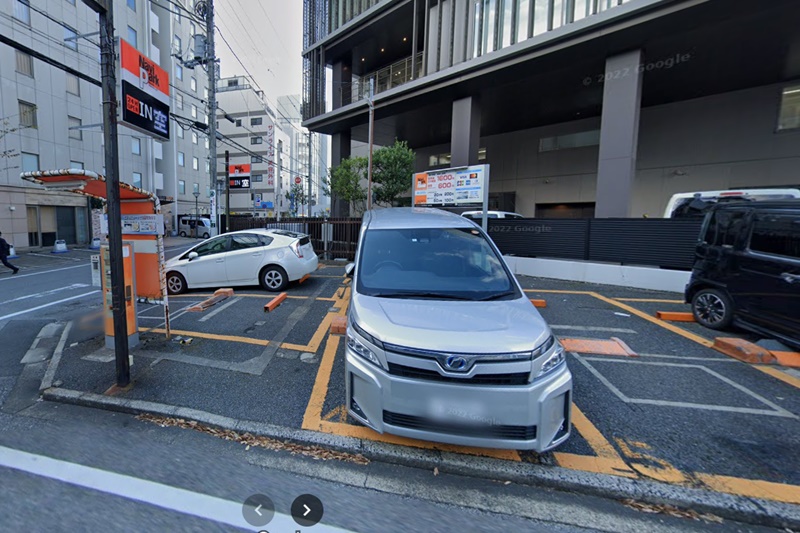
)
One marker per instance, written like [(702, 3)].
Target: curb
[(727, 506)]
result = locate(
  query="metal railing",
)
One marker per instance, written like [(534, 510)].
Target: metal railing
[(332, 238), (394, 75)]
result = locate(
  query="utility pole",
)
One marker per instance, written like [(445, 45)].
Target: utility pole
[(371, 103), (310, 172), (227, 191), (105, 10), (211, 65)]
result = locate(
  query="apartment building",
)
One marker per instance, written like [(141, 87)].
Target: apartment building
[(580, 107), (52, 116)]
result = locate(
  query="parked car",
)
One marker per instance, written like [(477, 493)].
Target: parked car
[(269, 257), (747, 271), (186, 228), (443, 344), (697, 204), (476, 215)]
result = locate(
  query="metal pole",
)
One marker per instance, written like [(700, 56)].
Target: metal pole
[(310, 172), (371, 132), (227, 191), (196, 216), (112, 193), (212, 98)]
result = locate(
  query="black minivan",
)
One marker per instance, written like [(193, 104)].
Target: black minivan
[(747, 271)]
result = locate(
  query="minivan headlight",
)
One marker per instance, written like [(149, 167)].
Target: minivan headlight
[(362, 349), (553, 361)]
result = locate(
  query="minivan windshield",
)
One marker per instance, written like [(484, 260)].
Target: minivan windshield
[(433, 263)]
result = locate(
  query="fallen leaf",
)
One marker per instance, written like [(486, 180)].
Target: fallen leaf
[(507, 483), (436, 471)]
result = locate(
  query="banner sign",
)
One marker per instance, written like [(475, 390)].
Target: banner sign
[(239, 176), (145, 93), (270, 155), (452, 186)]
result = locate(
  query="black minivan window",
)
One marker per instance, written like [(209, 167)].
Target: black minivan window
[(776, 234), (725, 227)]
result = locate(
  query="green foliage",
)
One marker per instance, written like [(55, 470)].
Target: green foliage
[(346, 179), (300, 197)]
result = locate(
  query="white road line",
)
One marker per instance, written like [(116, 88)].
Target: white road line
[(32, 309), (12, 278), (50, 373), (220, 309), (692, 358), (141, 490), (47, 293), (777, 410), (592, 328)]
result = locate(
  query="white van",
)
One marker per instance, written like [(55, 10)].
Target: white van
[(476, 215), (204, 229), (697, 204)]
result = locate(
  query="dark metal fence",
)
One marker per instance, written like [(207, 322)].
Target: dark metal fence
[(661, 242)]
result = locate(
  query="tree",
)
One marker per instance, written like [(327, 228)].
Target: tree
[(297, 196), (392, 168)]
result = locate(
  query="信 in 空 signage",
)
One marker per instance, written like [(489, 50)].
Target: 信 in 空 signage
[(145, 93)]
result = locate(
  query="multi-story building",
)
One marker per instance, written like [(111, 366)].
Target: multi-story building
[(580, 107), (51, 112), (252, 136), (290, 119)]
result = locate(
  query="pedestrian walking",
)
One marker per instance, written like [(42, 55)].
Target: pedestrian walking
[(5, 249)]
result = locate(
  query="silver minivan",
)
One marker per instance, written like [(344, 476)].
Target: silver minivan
[(442, 343)]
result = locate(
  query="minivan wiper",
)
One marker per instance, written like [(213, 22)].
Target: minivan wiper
[(434, 295), (497, 296)]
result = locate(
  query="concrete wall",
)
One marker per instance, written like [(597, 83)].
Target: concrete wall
[(717, 142)]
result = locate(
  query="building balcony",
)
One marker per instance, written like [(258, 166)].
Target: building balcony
[(394, 75)]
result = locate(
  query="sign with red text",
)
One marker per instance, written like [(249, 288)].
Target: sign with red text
[(451, 186)]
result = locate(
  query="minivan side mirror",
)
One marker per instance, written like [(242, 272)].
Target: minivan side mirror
[(193, 255), (348, 270)]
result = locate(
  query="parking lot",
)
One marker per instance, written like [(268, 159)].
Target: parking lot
[(652, 399)]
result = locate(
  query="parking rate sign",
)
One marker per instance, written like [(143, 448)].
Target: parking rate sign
[(453, 186)]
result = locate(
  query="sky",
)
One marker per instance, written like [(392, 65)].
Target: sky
[(267, 36)]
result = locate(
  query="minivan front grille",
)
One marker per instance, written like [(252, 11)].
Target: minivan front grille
[(517, 378), (463, 430)]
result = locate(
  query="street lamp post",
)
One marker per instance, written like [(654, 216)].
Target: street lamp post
[(196, 213)]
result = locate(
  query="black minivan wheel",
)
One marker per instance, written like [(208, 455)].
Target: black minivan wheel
[(712, 308)]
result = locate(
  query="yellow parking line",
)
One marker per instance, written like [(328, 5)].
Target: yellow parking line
[(652, 300), (783, 376), (752, 488), (313, 414), (212, 336), (675, 329)]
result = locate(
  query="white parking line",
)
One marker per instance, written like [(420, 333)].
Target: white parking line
[(592, 328), (148, 492), (220, 309), (32, 309), (12, 278), (47, 293)]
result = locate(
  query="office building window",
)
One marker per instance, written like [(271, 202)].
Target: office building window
[(178, 71), (74, 125), (76, 164), (24, 64), (136, 146), (73, 84), (30, 162), (181, 187), (258, 177), (256, 140), (181, 159), (180, 132), (205, 93), (790, 109), (238, 122), (27, 115), (132, 4), (178, 100), (208, 167), (255, 159), (206, 143), (70, 38), (193, 84), (208, 191), (176, 44), (570, 140), (194, 111), (196, 187), (194, 137), (137, 179), (22, 11), (256, 121), (132, 37), (195, 163)]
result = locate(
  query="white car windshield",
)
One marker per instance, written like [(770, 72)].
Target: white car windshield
[(447, 263)]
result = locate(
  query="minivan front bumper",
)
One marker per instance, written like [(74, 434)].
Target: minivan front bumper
[(535, 416)]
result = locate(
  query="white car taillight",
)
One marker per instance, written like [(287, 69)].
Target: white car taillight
[(295, 247)]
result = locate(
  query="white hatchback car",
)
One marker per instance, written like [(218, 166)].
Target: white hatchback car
[(269, 257)]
